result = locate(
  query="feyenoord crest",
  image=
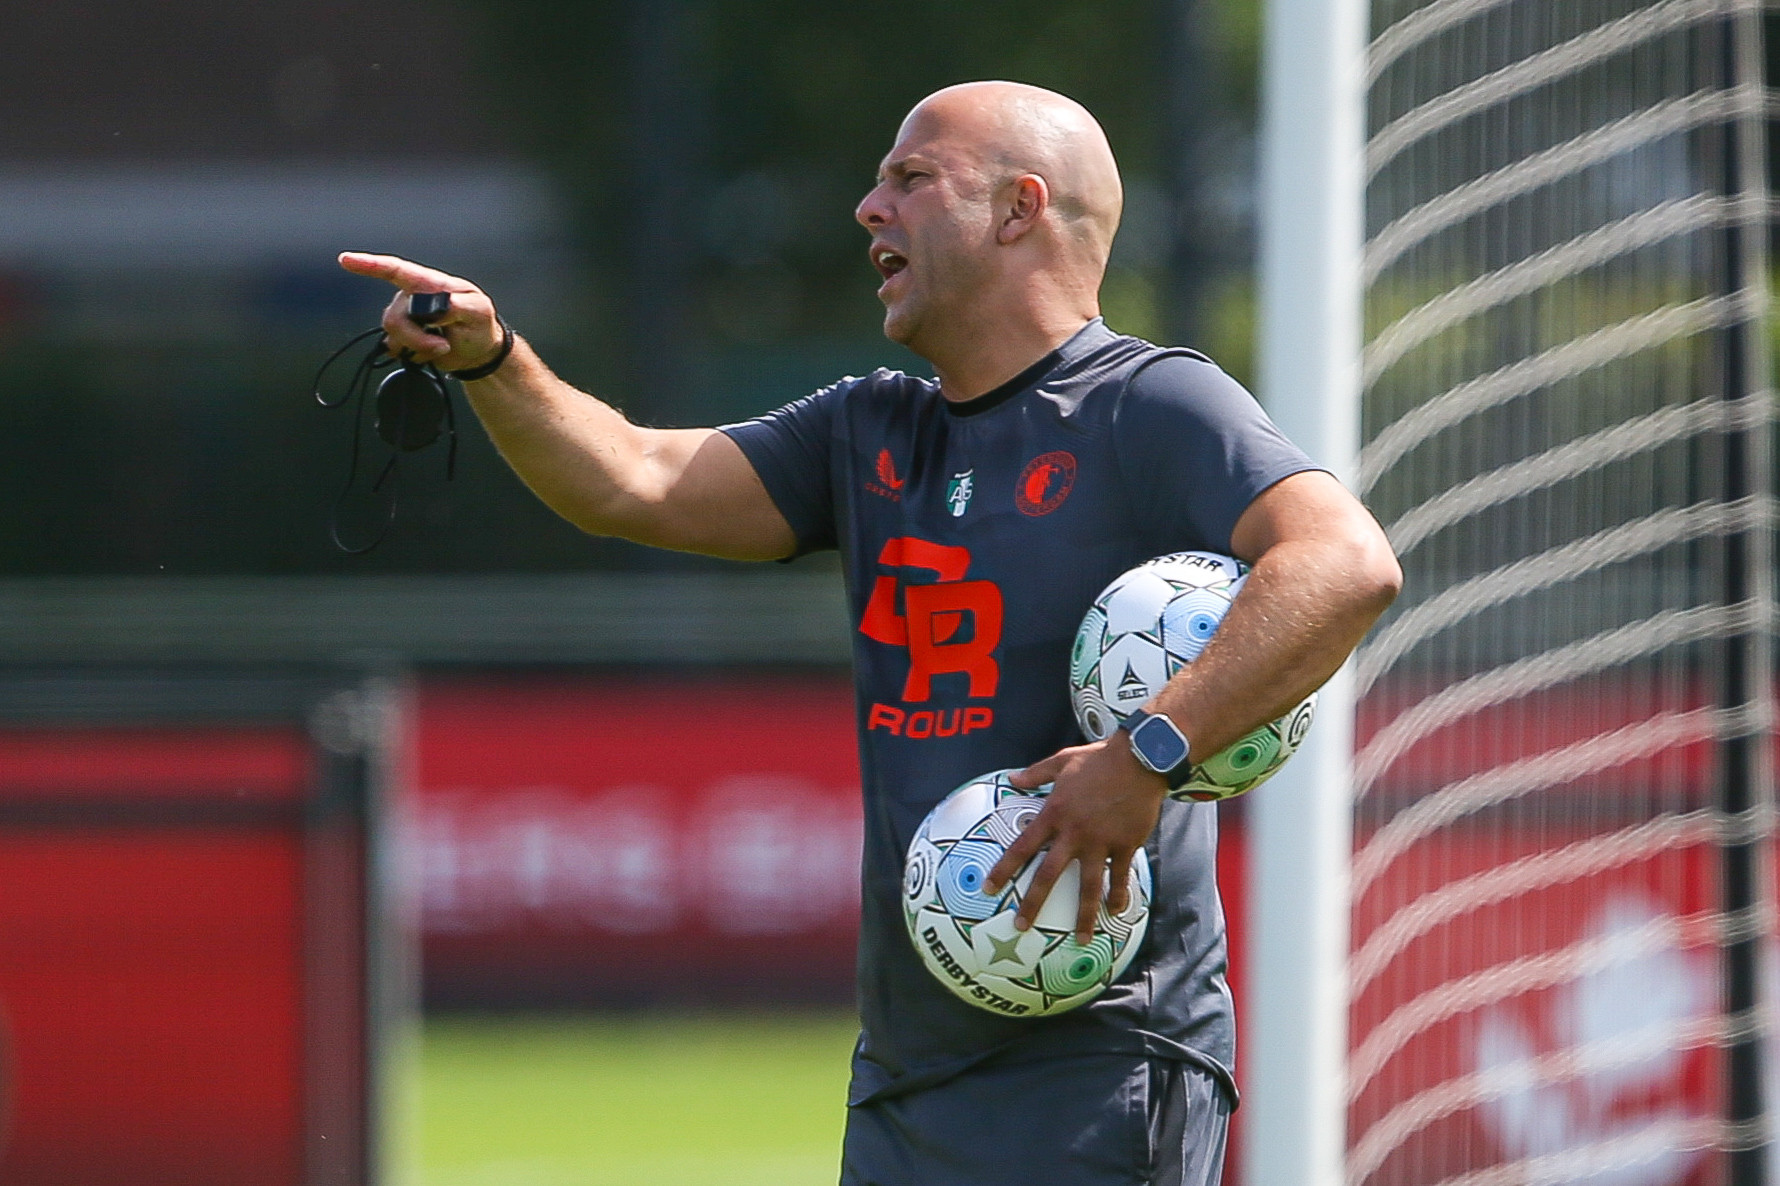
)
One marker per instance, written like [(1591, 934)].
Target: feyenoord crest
[(958, 492)]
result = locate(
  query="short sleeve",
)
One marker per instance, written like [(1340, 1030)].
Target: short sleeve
[(791, 449), (1195, 449)]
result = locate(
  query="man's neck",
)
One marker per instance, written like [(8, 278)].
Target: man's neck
[(981, 365)]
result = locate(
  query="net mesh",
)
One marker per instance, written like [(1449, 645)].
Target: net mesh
[(1562, 769)]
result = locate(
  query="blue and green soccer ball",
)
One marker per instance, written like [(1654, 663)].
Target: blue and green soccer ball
[(967, 938), (1147, 625)]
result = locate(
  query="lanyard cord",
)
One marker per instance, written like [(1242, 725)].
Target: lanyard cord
[(412, 395)]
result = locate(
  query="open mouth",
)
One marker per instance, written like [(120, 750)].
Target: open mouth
[(887, 261)]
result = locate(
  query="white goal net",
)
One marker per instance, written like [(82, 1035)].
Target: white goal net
[(1563, 775)]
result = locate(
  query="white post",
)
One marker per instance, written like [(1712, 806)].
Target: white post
[(1300, 824)]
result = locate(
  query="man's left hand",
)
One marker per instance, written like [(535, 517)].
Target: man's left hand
[(1102, 808)]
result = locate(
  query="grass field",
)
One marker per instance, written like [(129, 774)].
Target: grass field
[(754, 1099)]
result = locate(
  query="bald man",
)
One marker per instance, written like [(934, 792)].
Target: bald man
[(978, 513)]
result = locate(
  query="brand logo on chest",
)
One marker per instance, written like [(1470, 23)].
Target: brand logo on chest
[(886, 484)]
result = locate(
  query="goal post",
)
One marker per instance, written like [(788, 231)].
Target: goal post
[(1295, 1027)]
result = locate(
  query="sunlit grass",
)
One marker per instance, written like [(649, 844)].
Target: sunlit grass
[(624, 1100)]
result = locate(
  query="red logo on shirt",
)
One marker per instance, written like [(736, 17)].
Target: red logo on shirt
[(888, 484), (933, 617), (887, 470), (1045, 483)]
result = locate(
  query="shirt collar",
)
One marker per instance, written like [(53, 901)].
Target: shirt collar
[(1086, 340)]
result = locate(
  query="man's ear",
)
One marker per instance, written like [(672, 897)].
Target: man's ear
[(1025, 200)]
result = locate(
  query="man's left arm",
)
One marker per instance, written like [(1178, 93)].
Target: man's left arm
[(1321, 574)]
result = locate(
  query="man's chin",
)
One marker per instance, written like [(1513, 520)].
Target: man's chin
[(899, 327)]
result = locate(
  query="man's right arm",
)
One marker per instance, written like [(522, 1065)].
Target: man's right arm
[(689, 489)]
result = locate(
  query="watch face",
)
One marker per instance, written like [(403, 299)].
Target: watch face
[(1159, 744)]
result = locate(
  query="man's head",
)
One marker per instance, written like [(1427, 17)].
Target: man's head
[(998, 201)]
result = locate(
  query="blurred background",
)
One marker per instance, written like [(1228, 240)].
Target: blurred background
[(658, 193)]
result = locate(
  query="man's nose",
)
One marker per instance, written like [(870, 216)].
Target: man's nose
[(872, 212)]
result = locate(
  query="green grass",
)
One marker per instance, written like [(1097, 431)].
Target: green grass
[(631, 1100)]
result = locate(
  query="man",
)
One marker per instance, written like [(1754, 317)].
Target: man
[(978, 515)]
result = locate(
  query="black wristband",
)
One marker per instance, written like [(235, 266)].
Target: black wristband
[(492, 365)]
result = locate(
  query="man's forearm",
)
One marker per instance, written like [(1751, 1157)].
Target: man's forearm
[(690, 489), (579, 455), (1305, 606)]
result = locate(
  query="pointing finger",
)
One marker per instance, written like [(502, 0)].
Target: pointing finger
[(404, 274)]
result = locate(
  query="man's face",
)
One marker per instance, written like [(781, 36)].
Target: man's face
[(932, 226)]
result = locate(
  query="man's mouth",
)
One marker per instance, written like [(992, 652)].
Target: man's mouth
[(888, 261)]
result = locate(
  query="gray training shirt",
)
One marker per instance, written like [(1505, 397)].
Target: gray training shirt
[(974, 535)]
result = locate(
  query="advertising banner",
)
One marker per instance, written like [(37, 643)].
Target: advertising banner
[(621, 839), (152, 996)]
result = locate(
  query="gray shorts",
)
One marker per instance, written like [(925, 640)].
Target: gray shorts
[(1086, 1120)]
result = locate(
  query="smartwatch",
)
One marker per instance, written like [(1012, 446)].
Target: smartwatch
[(1160, 747)]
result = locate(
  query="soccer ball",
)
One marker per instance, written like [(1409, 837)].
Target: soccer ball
[(967, 938), (1147, 625)]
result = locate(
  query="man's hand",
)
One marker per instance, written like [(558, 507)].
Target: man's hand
[(1103, 806), (691, 489), (467, 336)]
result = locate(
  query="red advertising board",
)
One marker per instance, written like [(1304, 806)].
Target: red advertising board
[(635, 838), (191, 970), (1537, 978), (151, 979)]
